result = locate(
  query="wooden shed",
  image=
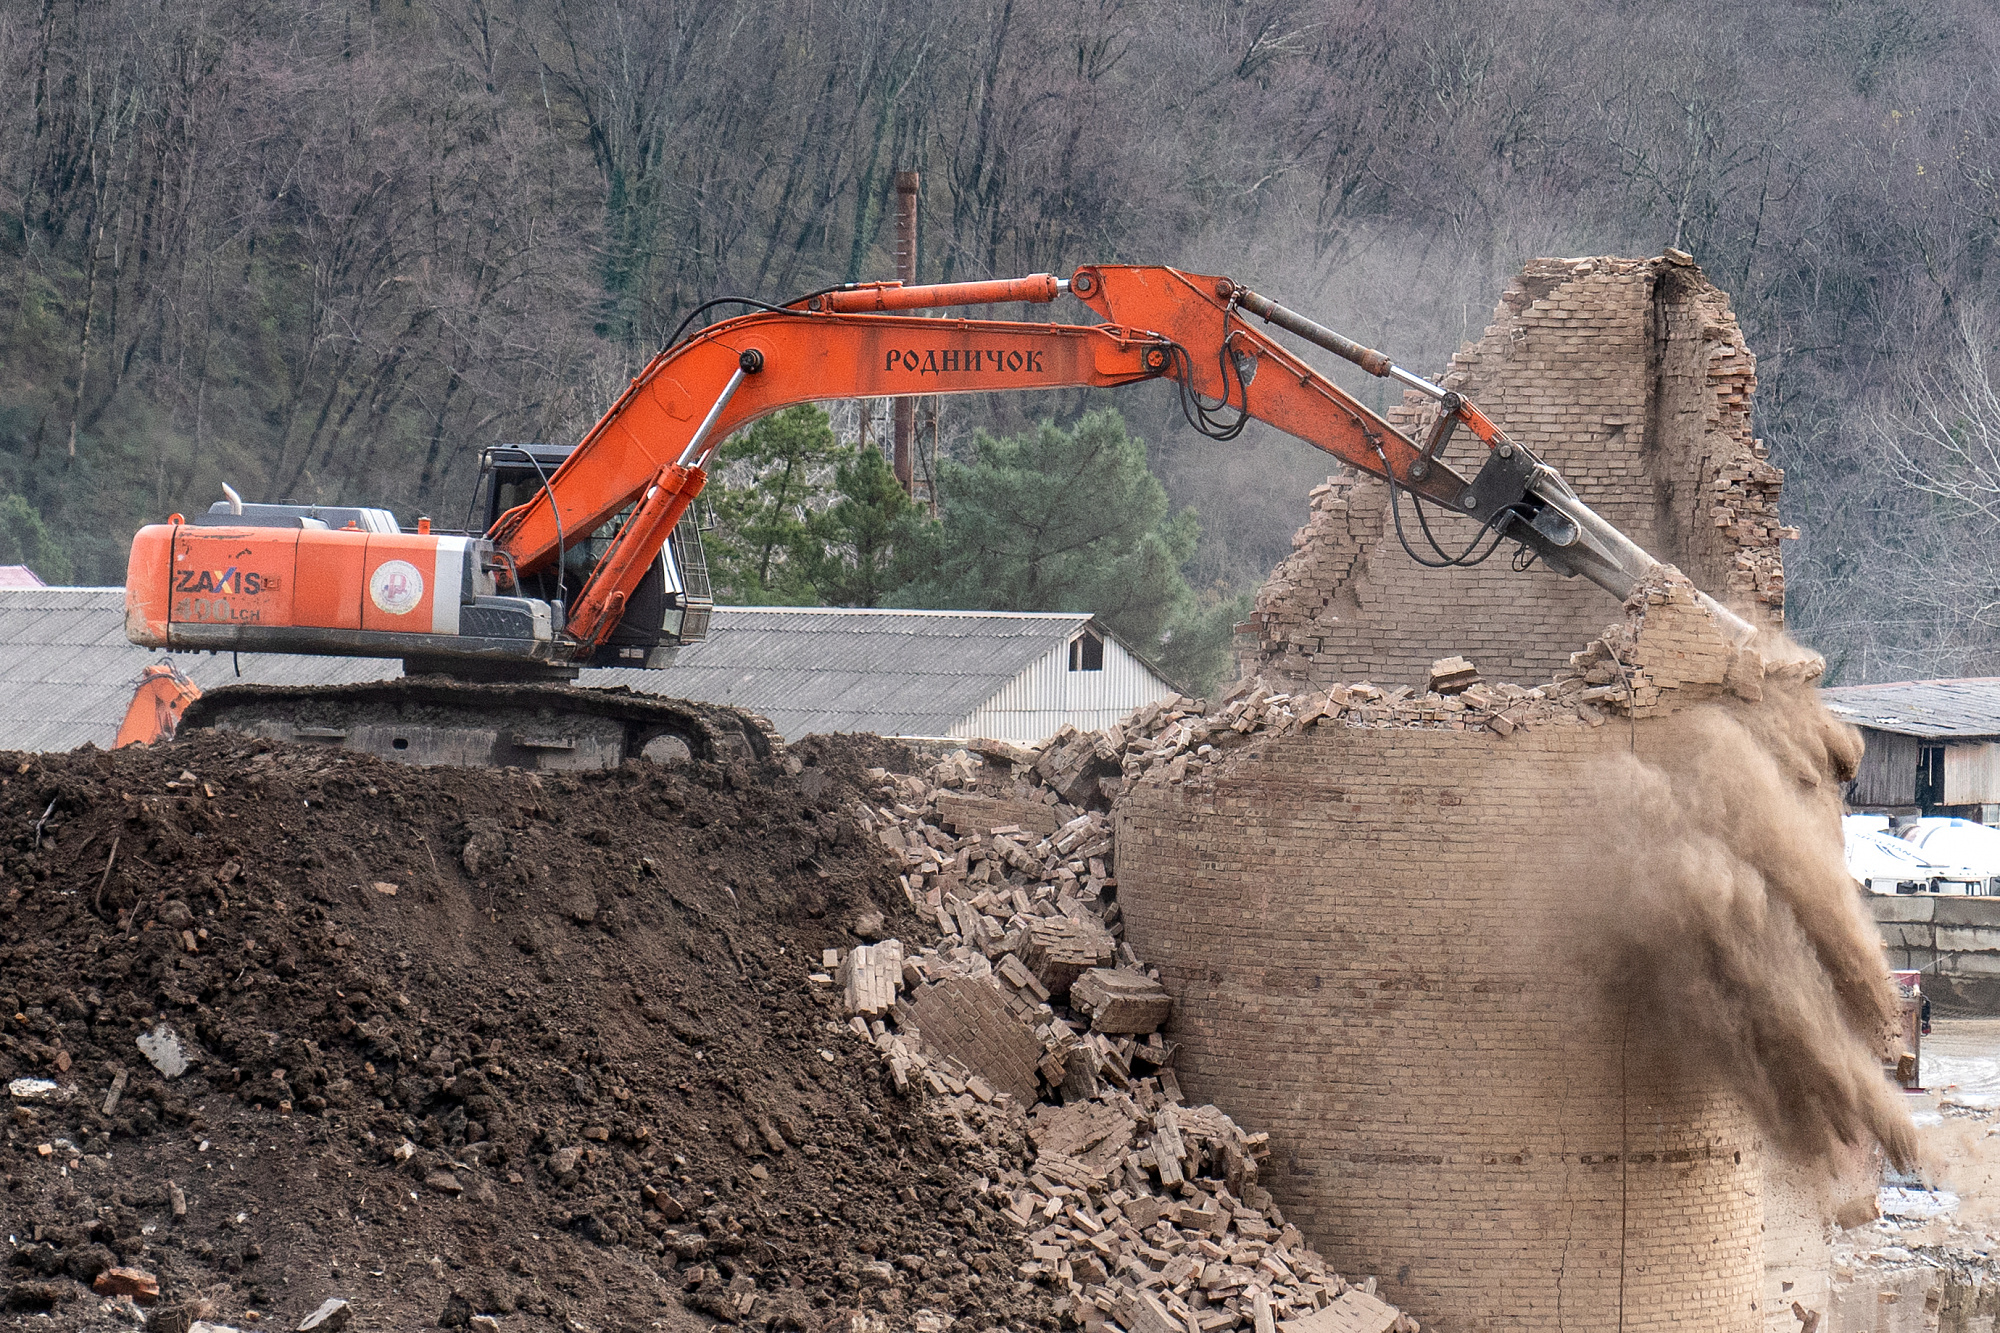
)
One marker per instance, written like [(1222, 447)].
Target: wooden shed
[(1933, 746)]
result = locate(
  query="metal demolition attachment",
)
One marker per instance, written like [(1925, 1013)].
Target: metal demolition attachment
[(1515, 494)]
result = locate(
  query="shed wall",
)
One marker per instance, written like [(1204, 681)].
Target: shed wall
[(1888, 772), (1036, 703), (1972, 773)]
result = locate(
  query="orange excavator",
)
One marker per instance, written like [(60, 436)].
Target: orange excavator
[(590, 556)]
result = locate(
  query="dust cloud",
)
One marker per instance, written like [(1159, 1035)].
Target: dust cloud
[(1725, 928)]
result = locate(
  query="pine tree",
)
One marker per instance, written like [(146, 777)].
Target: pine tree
[(773, 478), (850, 553), (1070, 520)]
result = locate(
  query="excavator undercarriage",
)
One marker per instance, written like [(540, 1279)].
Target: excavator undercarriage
[(432, 720)]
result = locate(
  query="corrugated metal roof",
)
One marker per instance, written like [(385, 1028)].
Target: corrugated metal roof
[(67, 670), (814, 670), (1963, 709)]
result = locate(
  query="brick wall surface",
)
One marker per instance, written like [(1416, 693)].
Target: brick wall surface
[(1365, 939), (1631, 378), (968, 1020)]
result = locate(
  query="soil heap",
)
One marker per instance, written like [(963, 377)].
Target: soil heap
[(463, 1043)]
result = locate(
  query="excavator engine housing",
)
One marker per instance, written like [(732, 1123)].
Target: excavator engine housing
[(328, 591)]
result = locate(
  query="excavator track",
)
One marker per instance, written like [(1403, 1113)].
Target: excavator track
[(435, 721)]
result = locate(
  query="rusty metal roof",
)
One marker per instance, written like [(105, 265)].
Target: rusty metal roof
[(1967, 708)]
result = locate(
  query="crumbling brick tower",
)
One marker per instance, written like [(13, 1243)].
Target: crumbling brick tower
[(1356, 925), (1364, 924), (1633, 380)]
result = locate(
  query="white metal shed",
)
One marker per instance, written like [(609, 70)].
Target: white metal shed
[(67, 671), (1012, 675)]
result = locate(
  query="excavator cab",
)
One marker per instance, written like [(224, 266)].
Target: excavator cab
[(673, 603)]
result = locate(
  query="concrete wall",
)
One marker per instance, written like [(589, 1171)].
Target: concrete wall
[(1954, 941), (1368, 957), (1631, 377)]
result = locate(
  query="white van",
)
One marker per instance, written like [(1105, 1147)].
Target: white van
[(1885, 863), (1965, 843)]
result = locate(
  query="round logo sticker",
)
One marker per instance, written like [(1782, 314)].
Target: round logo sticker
[(396, 587)]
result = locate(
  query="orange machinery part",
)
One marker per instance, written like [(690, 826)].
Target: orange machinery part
[(861, 298), (337, 579), (814, 356), (162, 695), (650, 449), (149, 583), (807, 358), (636, 448)]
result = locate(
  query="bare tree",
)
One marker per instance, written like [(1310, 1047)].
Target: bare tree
[(331, 250)]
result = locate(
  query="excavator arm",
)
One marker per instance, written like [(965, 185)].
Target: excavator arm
[(651, 449), (434, 599), (1513, 495)]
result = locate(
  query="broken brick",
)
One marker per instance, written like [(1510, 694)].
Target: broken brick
[(1121, 1000)]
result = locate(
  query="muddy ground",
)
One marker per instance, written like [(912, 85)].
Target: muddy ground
[(464, 1042)]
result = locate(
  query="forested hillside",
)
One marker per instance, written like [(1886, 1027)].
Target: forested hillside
[(329, 249)]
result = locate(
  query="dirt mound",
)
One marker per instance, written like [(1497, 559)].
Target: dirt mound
[(462, 1042)]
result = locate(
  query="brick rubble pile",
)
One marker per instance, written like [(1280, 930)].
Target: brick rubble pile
[(1035, 1026), (1038, 1027)]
